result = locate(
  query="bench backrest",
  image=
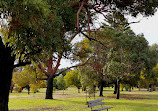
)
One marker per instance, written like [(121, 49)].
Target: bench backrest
[(95, 102)]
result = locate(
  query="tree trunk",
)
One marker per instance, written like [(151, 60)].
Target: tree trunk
[(154, 87), (49, 91), (28, 88), (94, 91), (118, 88), (63, 91), (4, 90), (6, 68), (78, 90), (11, 87), (83, 88), (129, 88), (115, 90), (149, 88), (101, 89)]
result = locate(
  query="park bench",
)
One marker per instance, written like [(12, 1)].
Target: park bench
[(97, 102)]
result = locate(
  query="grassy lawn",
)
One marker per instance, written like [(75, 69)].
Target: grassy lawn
[(73, 101)]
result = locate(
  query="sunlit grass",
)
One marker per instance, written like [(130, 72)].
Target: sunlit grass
[(74, 101)]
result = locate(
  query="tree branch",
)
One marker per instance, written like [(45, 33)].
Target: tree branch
[(72, 37), (42, 78), (79, 65), (90, 38), (42, 69), (78, 12), (58, 64), (22, 64)]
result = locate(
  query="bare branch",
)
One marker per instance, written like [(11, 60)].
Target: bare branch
[(90, 38), (134, 22), (78, 12), (74, 36)]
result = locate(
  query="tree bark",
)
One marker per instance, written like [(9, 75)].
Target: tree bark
[(149, 87), (118, 88), (129, 88), (6, 65), (28, 88), (78, 90), (115, 90), (94, 91), (154, 87), (101, 89), (49, 91), (11, 87)]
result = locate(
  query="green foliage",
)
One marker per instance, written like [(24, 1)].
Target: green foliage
[(38, 27), (129, 50), (17, 88), (61, 84), (55, 83), (42, 25), (89, 78), (72, 78), (82, 50), (154, 76), (115, 69), (28, 76), (149, 73)]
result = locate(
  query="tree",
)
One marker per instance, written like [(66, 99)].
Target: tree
[(155, 76), (95, 52), (72, 78), (116, 70), (127, 49), (149, 72), (28, 78), (61, 83), (89, 79)]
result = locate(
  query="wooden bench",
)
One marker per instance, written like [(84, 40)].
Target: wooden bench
[(96, 103)]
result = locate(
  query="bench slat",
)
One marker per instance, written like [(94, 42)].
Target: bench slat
[(101, 109), (96, 104), (94, 101)]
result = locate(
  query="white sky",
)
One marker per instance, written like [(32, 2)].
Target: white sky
[(147, 26)]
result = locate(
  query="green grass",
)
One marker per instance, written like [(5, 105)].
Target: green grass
[(73, 101)]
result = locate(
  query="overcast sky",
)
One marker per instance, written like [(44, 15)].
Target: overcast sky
[(147, 26)]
